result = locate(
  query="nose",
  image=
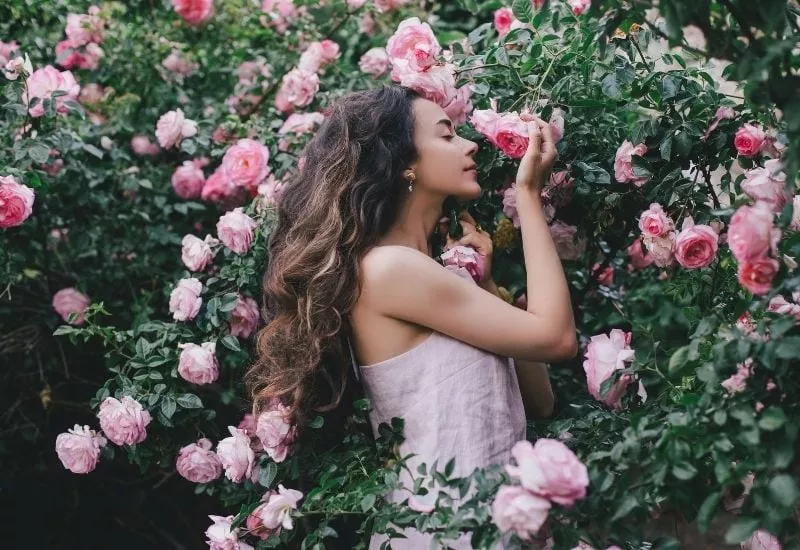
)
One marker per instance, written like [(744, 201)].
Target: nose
[(472, 147)]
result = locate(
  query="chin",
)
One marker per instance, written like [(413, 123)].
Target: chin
[(469, 192)]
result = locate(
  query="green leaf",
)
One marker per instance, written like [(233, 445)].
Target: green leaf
[(707, 511), (189, 401), (684, 471), (678, 359), (231, 343), (470, 5), (610, 86), (788, 348), (740, 530), (92, 150), (783, 490), (267, 474), (317, 422), (168, 406), (626, 507), (39, 152), (523, 10), (367, 503), (772, 419)]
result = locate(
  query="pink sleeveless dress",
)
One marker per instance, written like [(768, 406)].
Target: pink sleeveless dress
[(457, 401)]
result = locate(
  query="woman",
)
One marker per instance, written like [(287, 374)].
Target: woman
[(350, 263)]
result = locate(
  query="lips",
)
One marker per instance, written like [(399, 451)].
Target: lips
[(471, 168)]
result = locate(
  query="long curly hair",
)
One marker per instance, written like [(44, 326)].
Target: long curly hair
[(335, 208)]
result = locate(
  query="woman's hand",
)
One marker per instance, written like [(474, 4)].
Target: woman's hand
[(475, 237), (535, 166)]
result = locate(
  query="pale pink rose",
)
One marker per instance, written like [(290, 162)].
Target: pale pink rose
[(311, 59), (654, 222), (282, 8), (196, 253), (278, 509), (244, 317), (437, 84), (271, 191), (254, 523), (466, 257), (762, 540), (219, 188), (68, 301), (737, 383), (7, 51), (198, 463), (194, 12), (723, 113), (557, 125), (275, 431), (756, 274), (485, 122), (84, 28), (661, 249), (384, 6), (248, 424), (173, 127), (185, 301), (639, 258), (221, 535), (301, 123), (605, 354), (579, 6), (605, 276), (751, 233), (198, 364), (141, 145), (511, 135), (549, 469), (243, 104), (568, 245), (330, 51), (415, 43), (78, 449), (16, 202), (767, 184), (696, 245), (92, 93), (748, 140), (623, 163), (558, 190), (795, 223), (780, 305), (246, 164), (517, 510), (43, 82), (460, 104), (355, 4), (510, 205), (504, 21), (298, 89), (123, 421), (235, 454), (235, 230), (188, 180), (367, 24), (177, 63), (16, 67), (374, 62), (249, 72)]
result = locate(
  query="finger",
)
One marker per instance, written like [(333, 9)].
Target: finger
[(474, 240), (527, 116), (466, 216), (534, 139), (548, 144)]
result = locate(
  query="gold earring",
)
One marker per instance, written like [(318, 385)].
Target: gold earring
[(411, 177)]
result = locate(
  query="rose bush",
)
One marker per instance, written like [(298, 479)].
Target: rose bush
[(145, 152)]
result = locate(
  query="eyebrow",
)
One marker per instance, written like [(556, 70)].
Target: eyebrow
[(446, 123)]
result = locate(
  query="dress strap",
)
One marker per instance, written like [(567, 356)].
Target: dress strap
[(353, 363)]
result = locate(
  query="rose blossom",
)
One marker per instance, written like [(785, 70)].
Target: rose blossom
[(654, 222), (177, 63), (639, 259), (579, 6), (756, 275), (194, 12), (748, 140), (605, 276), (558, 189), (564, 237), (68, 301), (278, 509), (198, 463), (244, 317), (84, 28), (85, 58), (298, 89), (605, 354), (722, 113), (235, 454), (172, 127), (16, 202), (415, 43), (661, 249), (737, 383), (549, 469), (505, 22), (510, 204), (767, 184), (141, 145), (557, 125), (696, 245), (751, 234), (300, 123), (235, 230), (761, 540), (270, 192), (198, 364), (355, 4), (466, 257), (384, 6), (185, 301), (222, 537), (374, 62), (317, 55), (275, 431), (188, 180), (43, 82), (196, 254), (511, 135), (78, 449), (219, 188), (123, 421), (249, 72), (7, 50), (245, 164), (779, 304), (437, 84), (485, 122), (254, 523), (623, 163), (515, 509)]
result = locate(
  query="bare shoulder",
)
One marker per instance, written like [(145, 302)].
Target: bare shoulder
[(384, 263)]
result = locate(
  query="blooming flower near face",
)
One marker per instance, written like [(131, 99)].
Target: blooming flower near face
[(549, 469), (188, 180), (276, 432), (194, 12), (298, 89), (374, 62), (198, 364), (68, 301), (123, 421), (623, 163), (278, 510), (196, 254), (466, 257), (42, 83), (173, 127), (696, 245), (415, 43), (605, 354), (516, 510), (78, 449), (198, 463), (437, 84), (16, 202), (244, 317), (748, 140), (185, 301), (235, 230), (236, 456)]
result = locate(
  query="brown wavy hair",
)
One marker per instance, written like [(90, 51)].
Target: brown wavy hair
[(332, 211)]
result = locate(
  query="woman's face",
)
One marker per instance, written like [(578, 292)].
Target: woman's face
[(444, 164)]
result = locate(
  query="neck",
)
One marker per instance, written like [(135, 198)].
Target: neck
[(416, 220)]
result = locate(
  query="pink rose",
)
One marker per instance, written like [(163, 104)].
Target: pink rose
[(221, 535), (564, 237), (198, 463), (317, 55), (254, 523), (737, 383), (437, 84), (355, 4), (275, 432), (16, 202), (557, 125), (271, 191), (761, 540), (235, 454), (751, 234), (549, 469), (605, 354), (723, 113), (504, 21), (384, 6), (196, 254), (756, 274), (185, 301), (748, 140), (780, 305), (511, 135), (415, 43), (485, 122), (795, 223), (141, 145), (7, 51), (767, 184), (68, 301), (78, 449), (654, 222), (298, 89), (605, 276), (623, 163), (460, 104), (375, 62), (515, 509), (92, 93), (123, 421), (219, 188), (510, 205), (198, 364), (188, 180), (696, 245), (194, 12), (173, 127), (84, 28), (249, 72), (244, 317), (42, 83), (466, 257), (177, 63), (558, 190), (246, 164), (301, 123), (661, 249), (579, 6), (639, 259), (235, 230), (278, 509)]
